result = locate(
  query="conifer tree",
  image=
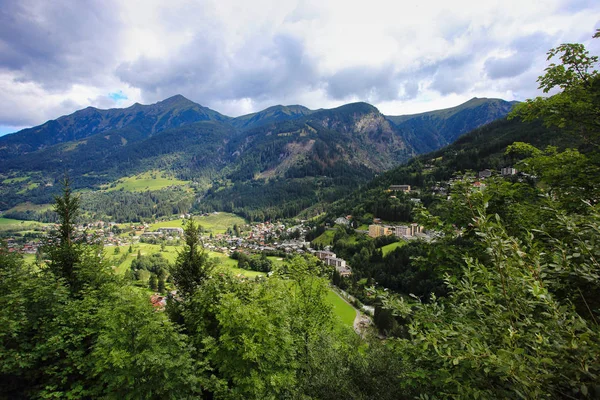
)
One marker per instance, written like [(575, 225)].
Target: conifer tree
[(193, 265), (63, 250)]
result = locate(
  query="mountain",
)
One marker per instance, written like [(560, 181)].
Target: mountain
[(270, 115), (434, 129), (273, 163), (482, 148), (146, 119), (284, 168)]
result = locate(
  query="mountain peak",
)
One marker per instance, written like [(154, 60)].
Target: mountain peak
[(359, 107), (176, 99)]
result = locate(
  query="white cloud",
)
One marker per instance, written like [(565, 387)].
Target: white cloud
[(239, 56)]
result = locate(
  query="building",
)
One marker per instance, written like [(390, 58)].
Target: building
[(415, 229), (171, 231), (486, 173), (407, 230), (151, 234), (323, 255), (402, 230), (377, 230), (344, 271), (381, 230), (508, 171), (342, 221), (335, 262), (400, 188)]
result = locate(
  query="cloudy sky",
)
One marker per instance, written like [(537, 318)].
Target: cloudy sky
[(242, 56)]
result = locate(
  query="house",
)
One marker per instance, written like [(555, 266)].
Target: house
[(151, 234), (486, 173), (335, 262), (400, 188), (158, 301), (344, 271), (342, 221), (322, 255), (508, 171), (171, 231)]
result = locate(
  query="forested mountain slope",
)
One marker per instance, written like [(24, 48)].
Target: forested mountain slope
[(276, 162), (434, 129)]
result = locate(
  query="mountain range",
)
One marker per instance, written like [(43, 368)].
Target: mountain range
[(283, 159)]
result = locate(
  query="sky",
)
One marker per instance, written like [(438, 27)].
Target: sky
[(238, 57)]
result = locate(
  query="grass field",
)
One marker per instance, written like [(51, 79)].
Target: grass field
[(277, 261), (7, 224), (215, 223), (8, 221), (15, 180), (326, 238), (151, 180), (343, 310), (170, 254), (28, 206), (30, 186), (387, 249)]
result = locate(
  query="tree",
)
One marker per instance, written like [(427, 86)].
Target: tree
[(503, 332), (161, 284), (153, 282), (62, 249), (569, 176), (139, 354), (193, 265), (576, 107)]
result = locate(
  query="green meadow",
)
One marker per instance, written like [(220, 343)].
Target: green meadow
[(215, 223), (343, 310), (150, 180), (387, 249)]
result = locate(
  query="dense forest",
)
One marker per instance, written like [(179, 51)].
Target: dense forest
[(504, 303)]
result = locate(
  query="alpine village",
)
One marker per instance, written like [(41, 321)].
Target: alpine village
[(168, 251)]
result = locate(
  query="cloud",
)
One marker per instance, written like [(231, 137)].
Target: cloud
[(59, 43), (238, 57), (207, 71), (507, 67)]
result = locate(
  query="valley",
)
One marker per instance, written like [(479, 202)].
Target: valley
[(170, 251)]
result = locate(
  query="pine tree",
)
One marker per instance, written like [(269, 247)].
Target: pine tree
[(62, 249), (193, 265)]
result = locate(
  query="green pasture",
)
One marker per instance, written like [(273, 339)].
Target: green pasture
[(387, 249), (170, 253), (325, 239), (343, 310), (151, 180), (215, 223)]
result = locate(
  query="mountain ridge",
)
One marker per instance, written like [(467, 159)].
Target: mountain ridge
[(431, 130), (283, 159)]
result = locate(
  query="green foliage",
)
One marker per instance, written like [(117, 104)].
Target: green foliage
[(105, 343), (571, 177), (576, 107), (258, 262), (138, 353), (193, 265), (64, 253), (502, 333)]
